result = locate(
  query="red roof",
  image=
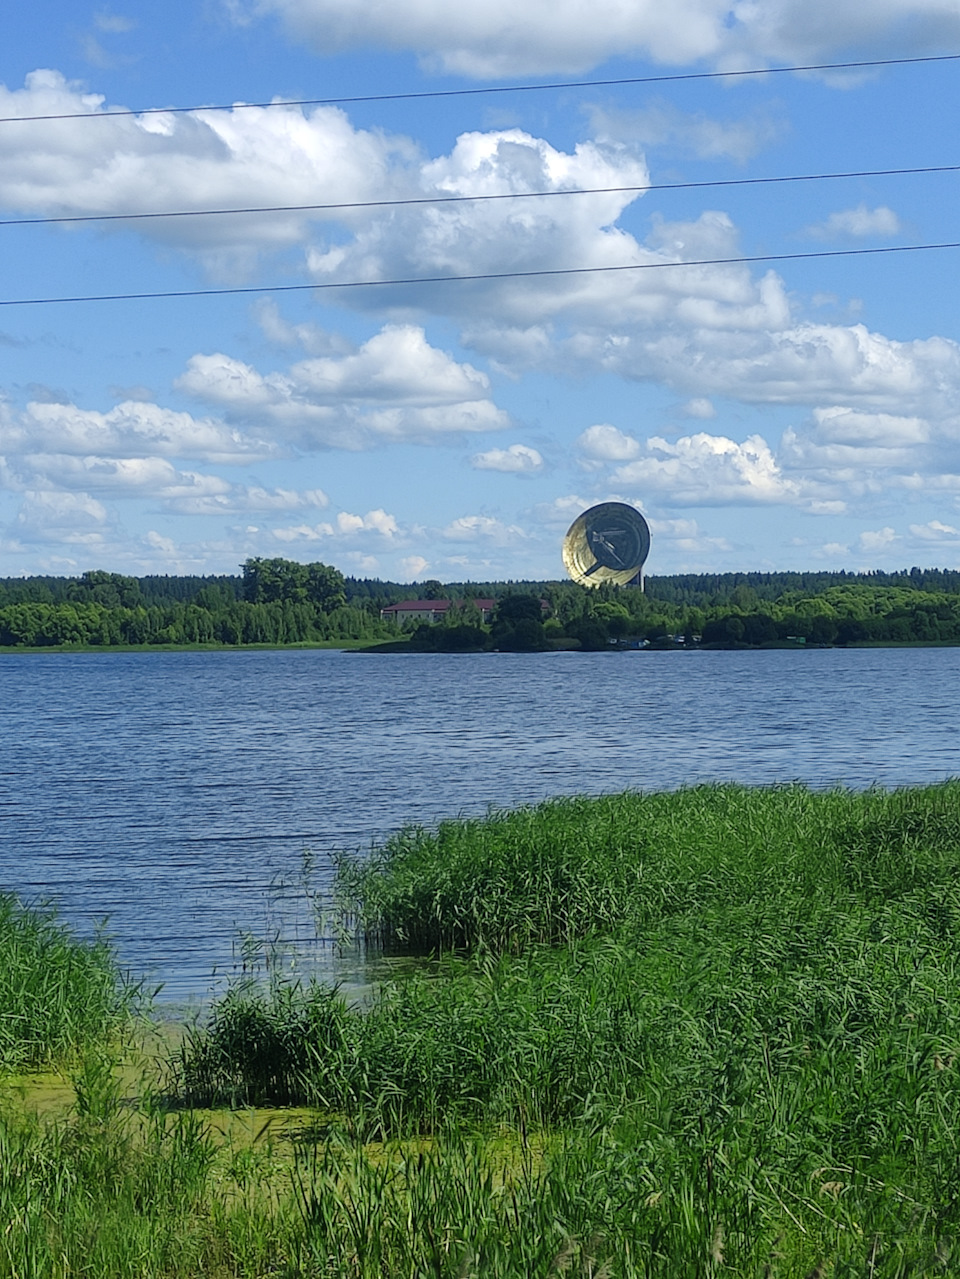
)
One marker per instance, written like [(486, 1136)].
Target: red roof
[(434, 606)]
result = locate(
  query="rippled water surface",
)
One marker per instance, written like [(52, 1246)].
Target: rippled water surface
[(176, 793)]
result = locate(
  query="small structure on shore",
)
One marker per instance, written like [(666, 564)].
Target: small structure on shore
[(607, 543), (432, 610)]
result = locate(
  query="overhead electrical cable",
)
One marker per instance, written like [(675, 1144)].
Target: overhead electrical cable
[(478, 276), (486, 89), (472, 199)]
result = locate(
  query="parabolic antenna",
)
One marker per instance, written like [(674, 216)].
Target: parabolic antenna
[(608, 543)]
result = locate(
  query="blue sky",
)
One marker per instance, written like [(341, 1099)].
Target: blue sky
[(775, 415)]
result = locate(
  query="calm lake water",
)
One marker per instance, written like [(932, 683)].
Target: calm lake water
[(176, 793)]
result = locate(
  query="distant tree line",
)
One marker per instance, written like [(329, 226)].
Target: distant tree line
[(273, 602), (854, 612), (279, 601), (114, 589), (857, 608), (711, 589)]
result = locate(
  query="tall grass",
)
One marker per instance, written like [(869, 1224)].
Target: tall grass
[(598, 1204), (709, 1033), (783, 940), (572, 868), (107, 1191), (756, 1015), (58, 993), (731, 1017), (94, 1196)]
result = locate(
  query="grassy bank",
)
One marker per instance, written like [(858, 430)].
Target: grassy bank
[(622, 864), (212, 647), (715, 1032), (734, 1014), (59, 996)]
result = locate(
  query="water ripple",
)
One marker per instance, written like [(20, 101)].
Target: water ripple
[(177, 792)]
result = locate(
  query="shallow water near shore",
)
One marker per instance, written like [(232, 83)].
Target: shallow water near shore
[(187, 796)]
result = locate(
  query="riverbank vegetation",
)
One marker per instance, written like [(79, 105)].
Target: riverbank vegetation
[(714, 1032), (728, 1019), (59, 996), (280, 602)]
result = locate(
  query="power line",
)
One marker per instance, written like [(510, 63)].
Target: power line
[(504, 88), (473, 199), (490, 275)]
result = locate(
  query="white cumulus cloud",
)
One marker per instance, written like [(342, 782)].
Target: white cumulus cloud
[(396, 387), (848, 453), (561, 512), (47, 515), (708, 470), (686, 536), (243, 499), (414, 565), (345, 526), (876, 539), (935, 531), (131, 476), (842, 425), (475, 528), (659, 124), (509, 317), (806, 363), (195, 160), (858, 223), (518, 459), (699, 407), (377, 521), (487, 38), (129, 430), (607, 443)]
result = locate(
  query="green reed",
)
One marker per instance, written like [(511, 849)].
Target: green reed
[(58, 993), (709, 1033), (92, 1197), (571, 868), (753, 1010), (730, 1016), (109, 1190)]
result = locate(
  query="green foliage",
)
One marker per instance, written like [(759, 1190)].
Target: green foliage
[(214, 619), (461, 638), (104, 1192), (604, 1204), (518, 608), (693, 1034), (58, 994), (573, 867), (816, 908), (730, 1018), (268, 581), (279, 601), (601, 1202), (112, 590), (589, 632), (717, 589), (518, 624), (523, 636), (262, 1046)]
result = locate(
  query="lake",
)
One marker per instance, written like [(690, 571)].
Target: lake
[(176, 794)]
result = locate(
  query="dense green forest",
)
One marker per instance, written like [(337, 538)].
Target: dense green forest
[(273, 602), (278, 601)]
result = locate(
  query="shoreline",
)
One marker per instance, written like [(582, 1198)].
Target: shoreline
[(388, 647), (343, 645), (586, 1071)]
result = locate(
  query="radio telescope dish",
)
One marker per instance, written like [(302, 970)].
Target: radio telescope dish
[(608, 543)]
